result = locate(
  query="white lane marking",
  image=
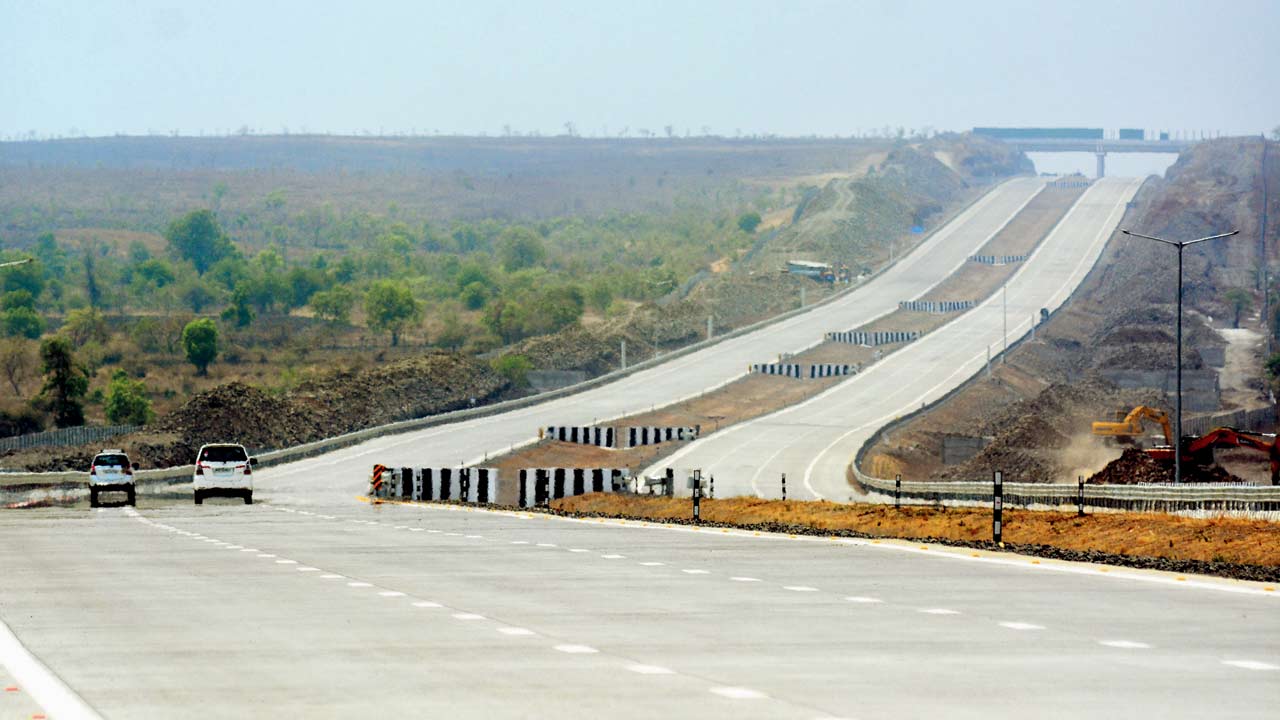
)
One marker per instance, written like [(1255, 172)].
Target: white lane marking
[(359, 584), (938, 611), (1251, 665), (519, 542), (433, 532), (738, 693), (427, 604), (250, 550), (653, 564), (799, 588), (546, 544), (327, 517), (743, 578), (695, 571), (330, 576), (650, 670), (39, 682), (576, 649), (416, 529), (266, 555), (474, 537), (286, 562), (862, 599), (1021, 626), (235, 547), (391, 593), (613, 557), (454, 534), (305, 568), (515, 631), (401, 527), (467, 616), (1125, 644), (579, 550)]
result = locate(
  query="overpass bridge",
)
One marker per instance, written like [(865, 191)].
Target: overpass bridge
[(1088, 140)]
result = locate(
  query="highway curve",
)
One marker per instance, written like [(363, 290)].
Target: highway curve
[(814, 442)]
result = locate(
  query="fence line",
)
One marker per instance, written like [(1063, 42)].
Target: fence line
[(66, 437)]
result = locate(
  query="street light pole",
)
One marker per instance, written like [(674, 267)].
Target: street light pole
[(1177, 440)]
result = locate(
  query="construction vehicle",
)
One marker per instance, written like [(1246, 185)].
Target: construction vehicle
[(1199, 450), (1128, 428), (822, 272)]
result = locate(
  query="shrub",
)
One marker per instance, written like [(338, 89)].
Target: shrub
[(514, 368)]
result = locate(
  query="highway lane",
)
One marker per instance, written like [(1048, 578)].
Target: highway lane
[(813, 442), (402, 611), (471, 441)]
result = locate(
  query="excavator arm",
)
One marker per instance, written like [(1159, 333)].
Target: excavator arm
[(1131, 426)]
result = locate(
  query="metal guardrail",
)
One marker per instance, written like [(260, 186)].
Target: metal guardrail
[(65, 436), (1139, 498)]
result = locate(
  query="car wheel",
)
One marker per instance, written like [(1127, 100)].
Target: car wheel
[(93, 498), (133, 497), (199, 498), (248, 497)]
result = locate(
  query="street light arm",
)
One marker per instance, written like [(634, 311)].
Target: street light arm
[(1149, 237), (1211, 237), (23, 261)]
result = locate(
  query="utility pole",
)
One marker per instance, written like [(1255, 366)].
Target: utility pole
[(1004, 302), (1177, 439)]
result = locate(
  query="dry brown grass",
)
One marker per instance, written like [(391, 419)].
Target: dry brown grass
[(1253, 542)]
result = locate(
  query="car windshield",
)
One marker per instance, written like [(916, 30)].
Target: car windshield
[(111, 461), (223, 453)]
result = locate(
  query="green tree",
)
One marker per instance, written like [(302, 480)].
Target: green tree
[(238, 311), (65, 382), (390, 307), (200, 342), (196, 293), (197, 237), (1240, 301), (22, 322), (515, 368), (520, 247), (28, 276), (127, 402), (334, 305), (748, 222), (85, 325), (474, 296)]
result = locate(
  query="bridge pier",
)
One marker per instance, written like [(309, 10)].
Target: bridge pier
[(1102, 164)]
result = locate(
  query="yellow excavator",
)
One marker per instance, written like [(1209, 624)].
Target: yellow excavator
[(1128, 429)]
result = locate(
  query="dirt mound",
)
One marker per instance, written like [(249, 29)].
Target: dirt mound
[(1135, 466), (243, 414)]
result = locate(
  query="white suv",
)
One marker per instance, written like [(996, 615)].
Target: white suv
[(111, 471), (224, 469)]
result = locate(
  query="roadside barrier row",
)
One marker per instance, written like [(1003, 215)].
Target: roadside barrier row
[(998, 259), (785, 369), (476, 485), (582, 435), (872, 339), (610, 437), (821, 370), (654, 434), (538, 486), (936, 306)]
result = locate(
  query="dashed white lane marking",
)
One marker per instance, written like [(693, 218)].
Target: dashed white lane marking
[(427, 604), (650, 670), (1125, 644), (695, 571), (306, 568), (938, 611), (652, 564), (576, 649), (578, 550), (515, 631), (519, 542), (266, 555), (738, 693), (546, 544), (1021, 626), (49, 692), (401, 527), (330, 576), (467, 616), (249, 550), (286, 562), (391, 593), (359, 584), (862, 599), (1251, 664), (416, 529), (454, 534), (741, 578), (474, 537), (613, 557), (799, 588)]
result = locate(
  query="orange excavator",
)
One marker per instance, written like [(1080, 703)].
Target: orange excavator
[(1197, 450)]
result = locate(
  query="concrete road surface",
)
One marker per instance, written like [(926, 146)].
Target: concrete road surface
[(470, 441), (814, 442), (271, 610)]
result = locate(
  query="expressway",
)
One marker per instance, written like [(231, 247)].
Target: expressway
[(685, 376), (813, 442), (313, 604)]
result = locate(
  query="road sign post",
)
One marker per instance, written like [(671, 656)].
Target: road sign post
[(1080, 497), (897, 492), (784, 487), (997, 507)]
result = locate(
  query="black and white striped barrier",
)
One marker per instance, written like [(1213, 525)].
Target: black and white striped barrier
[(538, 486), (599, 436), (786, 369), (477, 485), (821, 370), (652, 435), (873, 338), (1069, 183), (935, 306), (997, 259)]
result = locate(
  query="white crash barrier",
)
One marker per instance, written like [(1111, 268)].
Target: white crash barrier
[(936, 306), (873, 338), (461, 484), (538, 486)]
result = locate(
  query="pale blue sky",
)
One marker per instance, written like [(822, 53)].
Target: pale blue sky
[(790, 68)]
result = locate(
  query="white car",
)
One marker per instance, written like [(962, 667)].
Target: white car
[(111, 471), (224, 469)]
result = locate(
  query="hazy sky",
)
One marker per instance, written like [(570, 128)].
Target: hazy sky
[(790, 68)]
